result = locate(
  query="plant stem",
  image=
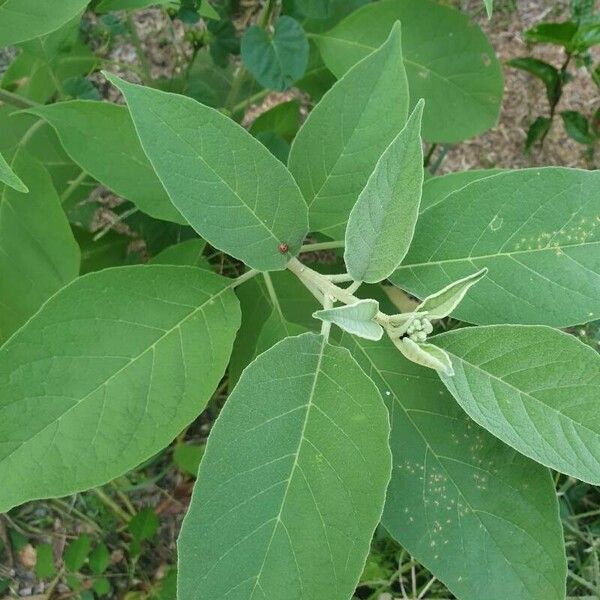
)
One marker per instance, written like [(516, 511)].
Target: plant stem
[(137, 43), (251, 100), (110, 503), (73, 186), (323, 246), (244, 277), (429, 154), (326, 325), (273, 295), (236, 88), (9, 98), (265, 17)]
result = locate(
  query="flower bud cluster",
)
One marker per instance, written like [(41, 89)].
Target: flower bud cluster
[(419, 329)]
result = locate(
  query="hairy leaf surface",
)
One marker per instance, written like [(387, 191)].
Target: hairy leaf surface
[(76, 409), (280, 509), (38, 253), (339, 145), (10, 178), (227, 185), (482, 517), (538, 233), (448, 59), (382, 222), (535, 388), (101, 139)]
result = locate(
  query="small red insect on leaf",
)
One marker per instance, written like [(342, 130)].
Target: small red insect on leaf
[(283, 248)]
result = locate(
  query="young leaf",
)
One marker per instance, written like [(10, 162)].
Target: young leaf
[(537, 131), (535, 388), (175, 328), (426, 355), (276, 61), (99, 559), (357, 318), (577, 126), (9, 177), (442, 303), (538, 233), (448, 59), (110, 5), (38, 253), (144, 525), (91, 132), (339, 144), (227, 185), (44, 565), (552, 33), (22, 20), (382, 222), (187, 457), (489, 7), (457, 491), (280, 509)]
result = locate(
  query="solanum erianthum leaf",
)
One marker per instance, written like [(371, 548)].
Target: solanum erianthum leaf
[(338, 146), (226, 184), (9, 177), (107, 373), (536, 388), (281, 508), (480, 516)]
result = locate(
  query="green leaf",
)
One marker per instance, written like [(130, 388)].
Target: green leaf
[(339, 144), (90, 132), (382, 222), (437, 189), (577, 126), (63, 434), (227, 185), (448, 59), (277, 60), (357, 318), (426, 355), (38, 254), (189, 253), (542, 70), (314, 9), (538, 233), (187, 457), (280, 508), (22, 20), (459, 498), (99, 559), (144, 525), (552, 33), (283, 119), (10, 178), (489, 7), (44, 564), (275, 329), (442, 303), (102, 586), (535, 388), (537, 131), (109, 251), (80, 88), (276, 145), (77, 553), (317, 78)]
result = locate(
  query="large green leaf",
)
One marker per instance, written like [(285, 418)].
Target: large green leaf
[(275, 329), (339, 145), (279, 59), (382, 222), (448, 59), (535, 388), (480, 516), (538, 233), (22, 20), (227, 185), (101, 139), (10, 178), (292, 483), (107, 373), (188, 253), (38, 253)]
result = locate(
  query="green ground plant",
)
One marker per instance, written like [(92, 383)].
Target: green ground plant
[(436, 426)]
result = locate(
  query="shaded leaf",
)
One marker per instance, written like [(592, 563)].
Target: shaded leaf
[(537, 131), (144, 525), (577, 126), (552, 33), (77, 553), (99, 559), (187, 457), (542, 70), (276, 60), (10, 178), (283, 119), (189, 253)]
